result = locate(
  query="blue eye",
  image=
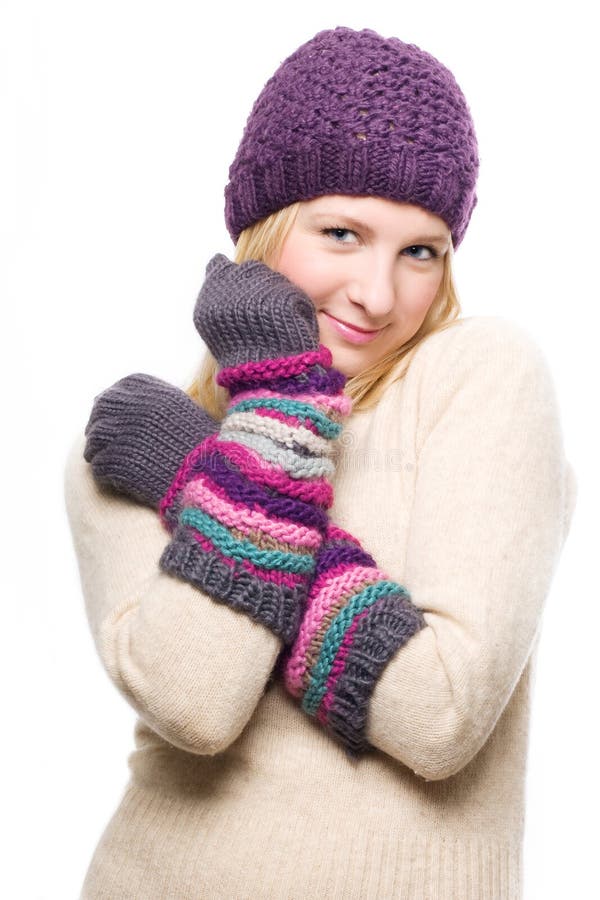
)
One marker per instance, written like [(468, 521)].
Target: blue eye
[(417, 248), (338, 234)]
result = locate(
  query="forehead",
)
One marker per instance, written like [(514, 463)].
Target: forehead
[(373, 211)]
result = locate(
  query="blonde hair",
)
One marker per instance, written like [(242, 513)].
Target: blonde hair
[(262, 241)]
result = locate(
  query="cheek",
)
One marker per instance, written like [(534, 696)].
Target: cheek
[(421, 294), (306, 270)]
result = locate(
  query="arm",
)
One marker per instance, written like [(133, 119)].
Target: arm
[(246, 510), (192, 668), (492, 504)]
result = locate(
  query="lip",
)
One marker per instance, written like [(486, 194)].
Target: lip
[(351, 333)]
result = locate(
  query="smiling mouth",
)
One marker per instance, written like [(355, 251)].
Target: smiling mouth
[(354, 327), (350, 333)]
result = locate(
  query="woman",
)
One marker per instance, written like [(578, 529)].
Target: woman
[(361, 503)]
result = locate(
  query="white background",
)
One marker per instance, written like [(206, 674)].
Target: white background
[(118, 123)]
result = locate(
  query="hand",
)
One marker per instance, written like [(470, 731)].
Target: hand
[(248, 312), (138, 434), (251, 501), (355, 619)]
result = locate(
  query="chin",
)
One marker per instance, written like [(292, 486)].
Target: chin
[(346, 366)]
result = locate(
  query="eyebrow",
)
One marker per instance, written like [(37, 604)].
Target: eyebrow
[(362, 226)]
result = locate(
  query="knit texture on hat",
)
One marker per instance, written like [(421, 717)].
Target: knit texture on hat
[(351, 112)]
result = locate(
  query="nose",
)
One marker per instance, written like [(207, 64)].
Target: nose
[(372, 285)]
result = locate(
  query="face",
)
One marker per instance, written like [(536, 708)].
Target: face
[(372, 268)]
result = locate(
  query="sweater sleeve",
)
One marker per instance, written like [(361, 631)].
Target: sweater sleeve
[(192, 668), (493, 501)]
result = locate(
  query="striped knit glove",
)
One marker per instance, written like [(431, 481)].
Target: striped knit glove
[(356, 618), (251, 500)]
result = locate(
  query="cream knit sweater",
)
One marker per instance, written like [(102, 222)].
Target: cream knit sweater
[(458, 486)]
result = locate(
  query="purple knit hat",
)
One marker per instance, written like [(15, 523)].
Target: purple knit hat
[(351, 112)]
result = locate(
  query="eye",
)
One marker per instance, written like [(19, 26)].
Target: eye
[(339, 234), (416, 252)]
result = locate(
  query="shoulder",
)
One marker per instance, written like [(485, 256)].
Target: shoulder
[(473, 338), (73, 459), (75, 466), (83, 496), (487, 348), (481, 367), (78, 484)]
